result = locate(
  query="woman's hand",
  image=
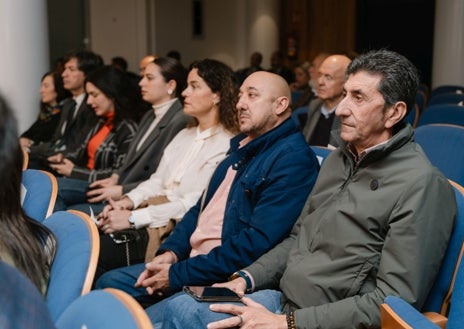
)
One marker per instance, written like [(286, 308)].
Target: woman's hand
[(64, 167), (116, 220), (123, 204), (115, 216), (56, 158), (101, 194)]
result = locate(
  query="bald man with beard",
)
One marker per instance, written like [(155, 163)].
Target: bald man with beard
[(321, 119), (250, 204)]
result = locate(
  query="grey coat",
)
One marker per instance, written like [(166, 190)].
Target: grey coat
[(369, 229)]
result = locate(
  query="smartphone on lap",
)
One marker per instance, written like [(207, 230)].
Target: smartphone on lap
[(212, 294)]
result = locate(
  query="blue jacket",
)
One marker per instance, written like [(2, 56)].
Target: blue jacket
[(275, 174)]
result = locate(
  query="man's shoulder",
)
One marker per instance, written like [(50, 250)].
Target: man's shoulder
[(291, 146)]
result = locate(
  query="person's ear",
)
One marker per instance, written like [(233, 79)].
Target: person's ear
[(281, 104), (216, 99), (172, 85), (395, 114)]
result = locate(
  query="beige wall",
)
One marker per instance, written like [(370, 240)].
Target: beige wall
[(118, 28), (232, 30), (174, 30), (448, 63)]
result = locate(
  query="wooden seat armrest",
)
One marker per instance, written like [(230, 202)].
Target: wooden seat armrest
[(390, 320), (436, 318)]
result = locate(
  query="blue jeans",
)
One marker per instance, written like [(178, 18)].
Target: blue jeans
[(182, 311), (124, 279), (72, 195)]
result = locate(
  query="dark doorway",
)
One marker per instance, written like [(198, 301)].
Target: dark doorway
[(67, 27), (405, 26)]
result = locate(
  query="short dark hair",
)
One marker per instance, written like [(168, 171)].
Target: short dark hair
[(119, 62), (87, 61), (174, 54), (399, 77)]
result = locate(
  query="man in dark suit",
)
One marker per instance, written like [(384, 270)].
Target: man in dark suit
[(321, 119), (141, 160), (77, 118)]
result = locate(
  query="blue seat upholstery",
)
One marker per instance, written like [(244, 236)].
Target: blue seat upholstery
[(108, 308), (442, 113), (447, 294), (438, 298), (413, 116), (421, 100), (447, 89), (75, 263), (39, 193), (300, 115), (443, 145), (321, 152), (398, 314), (446, 98), (23, 305)]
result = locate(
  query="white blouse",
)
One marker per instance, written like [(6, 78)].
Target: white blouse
[(184, 170)]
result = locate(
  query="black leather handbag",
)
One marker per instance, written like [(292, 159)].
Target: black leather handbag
[(135, 242)]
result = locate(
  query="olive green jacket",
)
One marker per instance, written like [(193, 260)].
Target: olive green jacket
[(369, 229)]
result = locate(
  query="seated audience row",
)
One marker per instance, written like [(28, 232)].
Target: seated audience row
[(250, 204), (77, 119), (185, 168), (346, 227), (251, 225)]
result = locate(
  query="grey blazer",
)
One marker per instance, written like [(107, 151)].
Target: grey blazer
[(314, 112), (139, 165)]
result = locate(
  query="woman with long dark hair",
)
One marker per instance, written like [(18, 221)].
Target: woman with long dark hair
[(24, 243)]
